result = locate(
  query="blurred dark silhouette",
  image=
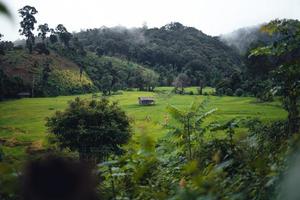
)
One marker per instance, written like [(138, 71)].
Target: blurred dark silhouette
[(58, 178)]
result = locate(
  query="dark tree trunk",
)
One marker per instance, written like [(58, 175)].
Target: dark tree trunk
[(189, 139), (32, 88), (81, 71), (293, 115), (113, 190), (201, 90)]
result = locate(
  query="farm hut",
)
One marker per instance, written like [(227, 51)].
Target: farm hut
[(146, 101)]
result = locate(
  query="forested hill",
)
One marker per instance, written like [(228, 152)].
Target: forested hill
[(55, 74), (41, 75), (246, 38), (169, 50)]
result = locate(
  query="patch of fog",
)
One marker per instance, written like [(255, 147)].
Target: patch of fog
[(136, 34), (242, 38), (20, 42)]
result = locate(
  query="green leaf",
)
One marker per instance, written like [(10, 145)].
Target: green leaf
[(175, 112), (203, 116), (118, 174), (195, 106), (108, 163)]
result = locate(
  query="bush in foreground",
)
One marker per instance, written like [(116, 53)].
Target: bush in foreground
[(95, 129)]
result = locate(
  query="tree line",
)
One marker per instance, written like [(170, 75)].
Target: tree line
[(107, 74)]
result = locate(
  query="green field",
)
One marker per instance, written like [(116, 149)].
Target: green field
[(22, 122)]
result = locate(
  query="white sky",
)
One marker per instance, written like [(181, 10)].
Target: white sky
[(213, 17)]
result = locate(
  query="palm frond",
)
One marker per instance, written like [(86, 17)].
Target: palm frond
[(196, 105), (175, 112), (233, 123), (108, 163), (174, 132), (205, 115), (204, 103), (217, 127)]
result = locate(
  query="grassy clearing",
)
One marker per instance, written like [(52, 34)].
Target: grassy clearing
[(22, 122)]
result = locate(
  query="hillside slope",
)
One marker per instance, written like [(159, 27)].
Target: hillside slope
[(55, 74), (42, 75), (169, 50), (112, 73)]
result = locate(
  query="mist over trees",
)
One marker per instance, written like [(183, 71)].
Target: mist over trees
[(168, 50), (243, 38)]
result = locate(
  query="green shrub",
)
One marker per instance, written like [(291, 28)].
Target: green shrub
[(220, 91), (95, 129), (239, 92), (228, 92)]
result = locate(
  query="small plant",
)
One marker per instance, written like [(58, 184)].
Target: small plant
[(229, 127), (190, 121)]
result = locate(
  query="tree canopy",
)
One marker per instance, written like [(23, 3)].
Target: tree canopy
[(287, 73), (95, 129), (27, 25), (169, 50)]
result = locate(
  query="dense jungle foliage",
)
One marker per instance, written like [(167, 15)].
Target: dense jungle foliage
[(197, 148), (169, 50)]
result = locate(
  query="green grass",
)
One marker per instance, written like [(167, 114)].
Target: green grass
[(23, 120)]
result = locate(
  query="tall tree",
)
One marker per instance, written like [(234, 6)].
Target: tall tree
[(35, 74), (63, 34), (150, 78), (110, 80), (201, 83), (53, 36), (286, 76), (45, 73), (181, 81), (43, 31), (27, 25)]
